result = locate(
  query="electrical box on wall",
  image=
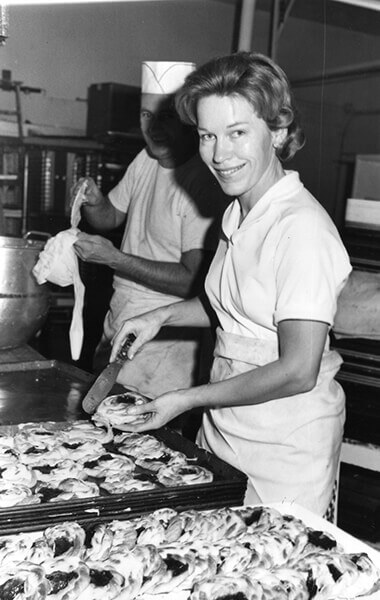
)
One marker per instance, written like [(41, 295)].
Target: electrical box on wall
[(112, 108)]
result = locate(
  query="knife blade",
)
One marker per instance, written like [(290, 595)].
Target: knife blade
[(107, 378)]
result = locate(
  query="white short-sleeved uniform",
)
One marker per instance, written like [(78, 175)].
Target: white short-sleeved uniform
[(284, 261), (169, 211)]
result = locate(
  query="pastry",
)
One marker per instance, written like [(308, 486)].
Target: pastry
[(66, 539), (112, 409), (175, 475), (67, 489), (13, 494), (123, 483), (23, 581), (66, 578), (108, 464), (98, 542), (105, 582)]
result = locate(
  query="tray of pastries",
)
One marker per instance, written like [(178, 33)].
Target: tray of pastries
[(78, 469), (280, 552)]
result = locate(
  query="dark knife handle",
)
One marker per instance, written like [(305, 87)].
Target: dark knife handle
[(122, 355)]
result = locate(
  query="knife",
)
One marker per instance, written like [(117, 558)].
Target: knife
[(105, 381)]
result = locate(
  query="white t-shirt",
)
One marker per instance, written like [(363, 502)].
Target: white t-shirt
[(285, 261), (169, 211)]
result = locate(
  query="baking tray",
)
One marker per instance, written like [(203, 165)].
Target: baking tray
[(227, 489), (42, 390)]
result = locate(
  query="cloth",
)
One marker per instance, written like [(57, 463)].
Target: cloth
[(284, 261), (58, 264), (358, 313), (169, 211)]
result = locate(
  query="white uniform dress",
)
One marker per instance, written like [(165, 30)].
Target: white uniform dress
[(285, 261), (169, 211)]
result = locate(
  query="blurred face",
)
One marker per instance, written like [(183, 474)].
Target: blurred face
[(161, 127), (238, 147)]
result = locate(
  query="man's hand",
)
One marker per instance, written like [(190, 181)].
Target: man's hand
[(91, 195), (95, 249)]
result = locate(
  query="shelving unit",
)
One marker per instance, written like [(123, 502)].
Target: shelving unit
[(37, 174)]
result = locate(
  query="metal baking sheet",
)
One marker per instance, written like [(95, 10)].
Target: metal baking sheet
[(227, 489), (41, 390)]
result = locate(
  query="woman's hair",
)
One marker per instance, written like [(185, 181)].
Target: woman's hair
[(254, 77)]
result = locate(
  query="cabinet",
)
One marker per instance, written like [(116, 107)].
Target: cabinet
[(36, 175)]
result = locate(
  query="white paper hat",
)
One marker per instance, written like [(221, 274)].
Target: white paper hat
[(164, 77)]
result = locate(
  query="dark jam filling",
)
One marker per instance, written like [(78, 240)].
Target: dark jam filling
[(34, 450), (59, 580), (11, 589), (44, 469), (320, 539), (253, 516), (311, 585), (48, 493), (2, 471), (91, 464), (175, 566), (186, 471), (335, 573), (100, 578), (61, 544), (236, 596), (74, 446), (90, 531), (145, 477)]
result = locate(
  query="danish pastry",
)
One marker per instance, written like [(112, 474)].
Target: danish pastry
[(66, 578), (175, 475), (66, 539), (23, 581), (112, 409), (105, 582)]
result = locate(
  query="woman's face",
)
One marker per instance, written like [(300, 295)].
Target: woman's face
[(238, 147)]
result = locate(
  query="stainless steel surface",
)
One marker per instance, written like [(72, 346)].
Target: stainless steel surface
[(41, 390), (107, 378), (23, 302)]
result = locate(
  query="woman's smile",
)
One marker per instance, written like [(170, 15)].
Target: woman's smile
[(238, 147)]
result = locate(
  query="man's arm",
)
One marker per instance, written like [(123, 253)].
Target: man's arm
[(97, 209), (183, 279)]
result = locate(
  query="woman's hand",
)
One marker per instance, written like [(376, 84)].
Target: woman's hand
[(160, 411), (145, 327)]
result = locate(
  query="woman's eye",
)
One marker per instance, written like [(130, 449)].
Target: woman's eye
[(238, 133), (206, 137), (145, 114)]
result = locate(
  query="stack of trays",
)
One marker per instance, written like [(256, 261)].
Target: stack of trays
[(226, 489)]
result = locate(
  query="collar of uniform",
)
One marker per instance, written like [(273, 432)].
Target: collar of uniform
[(286, 186)]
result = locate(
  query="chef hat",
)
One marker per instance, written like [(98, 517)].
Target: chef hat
[(164, 77)]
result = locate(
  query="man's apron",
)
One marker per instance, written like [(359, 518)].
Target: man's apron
[(289, 448)]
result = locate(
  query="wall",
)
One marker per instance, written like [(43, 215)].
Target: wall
[(64, 48)]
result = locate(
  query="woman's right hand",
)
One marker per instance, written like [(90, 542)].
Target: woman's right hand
[(90, 193), (145, 327)]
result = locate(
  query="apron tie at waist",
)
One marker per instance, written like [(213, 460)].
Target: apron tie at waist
[(249, 350), (259, 352)]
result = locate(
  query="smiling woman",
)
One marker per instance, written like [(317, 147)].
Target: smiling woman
[(272, 407)]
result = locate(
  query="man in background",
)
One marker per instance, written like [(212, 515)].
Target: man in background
[(172, 207)]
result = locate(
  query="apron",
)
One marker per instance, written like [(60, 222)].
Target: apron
[(289, 448)]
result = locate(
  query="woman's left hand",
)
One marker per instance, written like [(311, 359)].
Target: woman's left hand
[(160, 411)]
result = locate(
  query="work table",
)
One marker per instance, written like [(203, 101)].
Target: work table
[(33, 388)]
